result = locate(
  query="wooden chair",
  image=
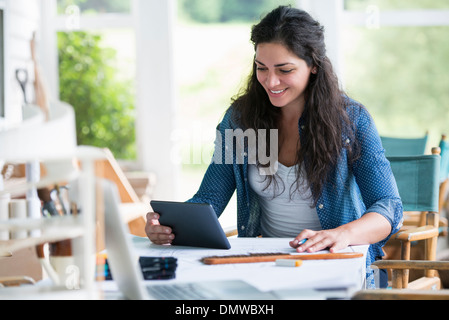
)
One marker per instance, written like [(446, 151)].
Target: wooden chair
[(133, 210), (417, 178), (414, 219), (444, 204), (418, 219), (407, 147)]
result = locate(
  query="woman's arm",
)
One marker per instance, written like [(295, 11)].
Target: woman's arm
[(369, 229), (378, 189), (373, 174)]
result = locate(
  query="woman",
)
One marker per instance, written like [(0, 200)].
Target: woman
[(333, 185)]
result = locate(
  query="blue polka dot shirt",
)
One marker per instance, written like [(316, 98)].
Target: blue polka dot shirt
[(365, 186)]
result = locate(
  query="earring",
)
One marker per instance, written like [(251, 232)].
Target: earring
[(314, 70)]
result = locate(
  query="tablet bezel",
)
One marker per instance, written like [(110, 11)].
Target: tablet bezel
[(193, 224)]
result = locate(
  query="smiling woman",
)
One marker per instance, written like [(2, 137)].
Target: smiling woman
[(334, 186), (285, 82), (299, 42)]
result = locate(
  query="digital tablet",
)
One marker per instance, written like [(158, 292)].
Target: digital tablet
[(193, 224)]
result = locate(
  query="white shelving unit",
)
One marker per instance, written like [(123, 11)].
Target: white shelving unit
[(53, 144)]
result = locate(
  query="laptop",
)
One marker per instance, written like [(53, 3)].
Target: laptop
[(126, 271)]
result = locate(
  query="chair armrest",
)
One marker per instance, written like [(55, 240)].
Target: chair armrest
[(443, 223), (412, 264), (401, 294), (421, 233)]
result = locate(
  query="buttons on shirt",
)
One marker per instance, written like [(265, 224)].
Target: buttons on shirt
[(321, 206)]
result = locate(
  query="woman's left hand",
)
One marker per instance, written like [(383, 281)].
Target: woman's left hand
[(370, 228), (334, 239)]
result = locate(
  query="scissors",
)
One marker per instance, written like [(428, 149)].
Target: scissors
[(22, 78)]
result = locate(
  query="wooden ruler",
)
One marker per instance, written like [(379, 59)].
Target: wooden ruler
[(269, 257)]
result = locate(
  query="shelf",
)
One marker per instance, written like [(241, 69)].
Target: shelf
[(20, 186), (51, 229), (53, 144), (61, 169)]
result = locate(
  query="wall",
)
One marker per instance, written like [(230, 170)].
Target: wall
[(22, 19)]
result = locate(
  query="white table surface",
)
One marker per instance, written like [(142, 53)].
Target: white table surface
[(316, 274)]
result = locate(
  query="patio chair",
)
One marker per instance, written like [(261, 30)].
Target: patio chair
[(417, 178)]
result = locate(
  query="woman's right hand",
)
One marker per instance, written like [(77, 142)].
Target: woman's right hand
[(155, 232)]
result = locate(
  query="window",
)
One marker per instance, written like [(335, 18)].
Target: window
[(396, 64), (146, 28), (96, 7), (97, 73), (362, 5), (213, 58)]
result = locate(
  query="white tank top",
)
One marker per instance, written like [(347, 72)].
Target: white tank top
[(284, 214)]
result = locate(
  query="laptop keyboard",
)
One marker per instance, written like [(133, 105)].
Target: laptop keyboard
[(179, 292)]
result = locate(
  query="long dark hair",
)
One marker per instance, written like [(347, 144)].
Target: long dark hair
[(325, 116)]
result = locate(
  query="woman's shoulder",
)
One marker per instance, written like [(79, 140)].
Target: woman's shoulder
[(356, 110), (230, 119)]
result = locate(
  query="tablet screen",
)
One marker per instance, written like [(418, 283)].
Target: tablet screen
[(193, 224)]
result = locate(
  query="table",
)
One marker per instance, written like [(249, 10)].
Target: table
[(315, 274)]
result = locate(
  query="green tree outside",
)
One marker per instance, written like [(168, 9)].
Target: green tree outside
[(104, 105)]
